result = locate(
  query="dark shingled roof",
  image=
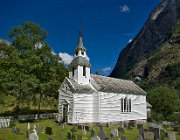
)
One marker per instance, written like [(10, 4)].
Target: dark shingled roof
[(115, 85), (79, 61), (80, 87), (108, 85)]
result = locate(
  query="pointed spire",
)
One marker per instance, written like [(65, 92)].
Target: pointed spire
[(80, 45)]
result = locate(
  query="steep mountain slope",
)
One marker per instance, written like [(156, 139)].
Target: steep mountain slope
[(155, 51)]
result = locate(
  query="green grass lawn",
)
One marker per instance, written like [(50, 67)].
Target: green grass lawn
[(7, 133)]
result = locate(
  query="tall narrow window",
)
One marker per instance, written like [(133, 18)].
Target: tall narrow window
[(76, 53), (122, 105), (84, 71), (129, 105), (125, 104), (73, 71)]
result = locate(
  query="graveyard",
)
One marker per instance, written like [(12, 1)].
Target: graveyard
[(50, 130)]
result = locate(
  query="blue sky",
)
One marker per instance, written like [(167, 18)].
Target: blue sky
[(108, 25)]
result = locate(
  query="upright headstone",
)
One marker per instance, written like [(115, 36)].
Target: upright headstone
[(92, 133), (139, 137), (114, 132), (156, 134), (14, 130), (84, 131), (28, 126), (48, 130), (102, 134), (18, 131), (69, 135), (112, 136), (178, 131), (95, 138), (164, 133), (121, 129), (79, 137), (27, 134), (50, 138), (141, 131), (148, 136), (123, 138), (33, 136), (172, 135)]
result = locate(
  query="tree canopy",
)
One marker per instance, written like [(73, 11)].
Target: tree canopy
[(164, 100), (28, 68)]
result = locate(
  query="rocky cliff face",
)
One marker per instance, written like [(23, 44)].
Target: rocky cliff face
[(133, 59)]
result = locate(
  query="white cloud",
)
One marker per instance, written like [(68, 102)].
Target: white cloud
[(106, 69), (130, 40), (66, 58), (124, 8)]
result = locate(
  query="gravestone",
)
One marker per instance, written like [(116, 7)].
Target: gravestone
[(95, 138), (139, 137), (164, 133), (156, 134), (178, 131), (69, 135), (112, 136), (49, 130), (14, 130), (42, 129), (172, 135), (50, 138), (92, 133), (84, 131), (33, 136), (121, 129), (27, 134), (123, 138), (79, 137), (114, 132), (151, 129), (141, 131), (148, 136), (102, 134), (18, 131)]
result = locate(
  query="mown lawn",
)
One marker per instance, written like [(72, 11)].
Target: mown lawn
[(57, 131)]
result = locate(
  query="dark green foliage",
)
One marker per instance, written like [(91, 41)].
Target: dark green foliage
[(174, 117), (27, 72), (164, 100)]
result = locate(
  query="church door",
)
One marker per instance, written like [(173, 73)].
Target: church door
[(65, 112)]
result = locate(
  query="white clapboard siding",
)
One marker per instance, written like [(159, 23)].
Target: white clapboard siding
[(86, 108), (68, 96), (110, 107)]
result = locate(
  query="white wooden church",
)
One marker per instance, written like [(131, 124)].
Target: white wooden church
[(91, 98)]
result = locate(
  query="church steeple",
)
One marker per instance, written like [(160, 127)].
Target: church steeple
[(80, 49), (79, 68)]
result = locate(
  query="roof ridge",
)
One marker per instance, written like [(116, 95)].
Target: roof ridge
[(113, 78)]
